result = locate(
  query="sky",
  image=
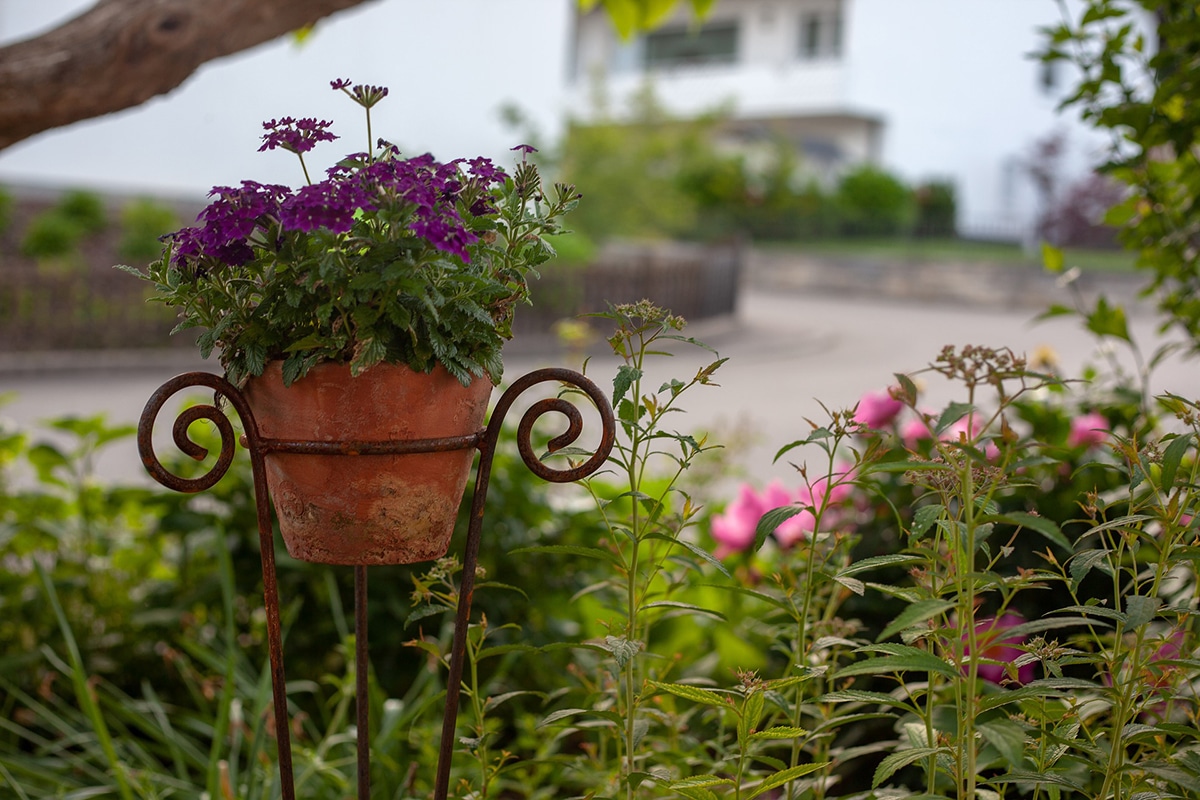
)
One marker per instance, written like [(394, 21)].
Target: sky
[(447, 81)]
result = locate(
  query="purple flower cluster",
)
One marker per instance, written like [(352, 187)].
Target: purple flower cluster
[(295, 135), (427, 194), (229, 221)]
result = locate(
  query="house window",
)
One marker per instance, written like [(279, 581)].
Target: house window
[(691, 47), (820, 35)]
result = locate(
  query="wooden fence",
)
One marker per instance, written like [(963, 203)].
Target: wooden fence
[(84, 308)]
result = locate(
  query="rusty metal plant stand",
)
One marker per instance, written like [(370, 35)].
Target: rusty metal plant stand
[(484, 440)]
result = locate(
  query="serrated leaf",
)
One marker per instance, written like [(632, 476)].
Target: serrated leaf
[(752, 711), (786, 776), (917, 612), (913, 662), (706, 697), (622, 649), (1048, 528), (1084, 562), (923, 519), (1140, 609), (863, 696), (895, 761), (771, 520), (865, 564), (421, 612), (1007, 737), (701, 782), (953, 413), (564, 713), (626, 376), (1171, 458), (777, 732)]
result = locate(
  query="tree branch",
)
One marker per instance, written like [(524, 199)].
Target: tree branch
[(120, 53)]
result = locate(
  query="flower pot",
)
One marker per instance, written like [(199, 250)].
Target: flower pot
[(367, 509)]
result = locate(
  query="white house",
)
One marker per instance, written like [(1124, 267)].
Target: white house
[(930, 89)]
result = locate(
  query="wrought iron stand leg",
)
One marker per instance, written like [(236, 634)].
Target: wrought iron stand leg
[(275, 643), (362, 699)]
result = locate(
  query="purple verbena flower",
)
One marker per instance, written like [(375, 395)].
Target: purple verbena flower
[(485, 172), (328, 204), (231, 218), (367, 96), (295, 135)]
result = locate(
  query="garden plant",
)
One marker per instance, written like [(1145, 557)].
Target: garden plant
[(995, 597)]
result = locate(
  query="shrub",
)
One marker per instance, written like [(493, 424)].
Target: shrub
[(54, 235), (51, 235), (872, 202), (85, 209), (142, 223), (936, 209)]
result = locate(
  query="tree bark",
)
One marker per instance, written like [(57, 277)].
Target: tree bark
[(120, 53)]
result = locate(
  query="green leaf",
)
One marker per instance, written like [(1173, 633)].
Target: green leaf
[(787, 775), (895, 761), (701, 782), (1052, 778), (1099, 611), (1140, 609), (622, 649), (777, 732), (421, 612), (626, 376), (695, 792), (703, 554), (1084, 562), (1106, 320), (1052, 258), (923, 519), (751, 713), (561, 714), (889, 560), (708, 697), (863, 696), (708, 612), (1048, 528), (910, 616), (771, 520), (953, 413), (912, 662), (1006, 736), (597, 553), (1172, 457)]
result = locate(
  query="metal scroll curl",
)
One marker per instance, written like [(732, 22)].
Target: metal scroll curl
[(562, 406), (179, 430)]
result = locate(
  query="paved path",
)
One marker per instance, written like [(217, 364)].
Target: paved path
[(788, 352)]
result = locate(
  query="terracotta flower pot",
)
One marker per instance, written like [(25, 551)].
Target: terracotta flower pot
[(367, 509)]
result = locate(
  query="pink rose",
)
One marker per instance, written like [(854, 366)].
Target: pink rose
[(1088, 430), (734, 530), (995, 648), (914, 431), (969, 428), (877, 410)]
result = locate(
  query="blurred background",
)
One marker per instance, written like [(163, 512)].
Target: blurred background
[(798, 178)]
